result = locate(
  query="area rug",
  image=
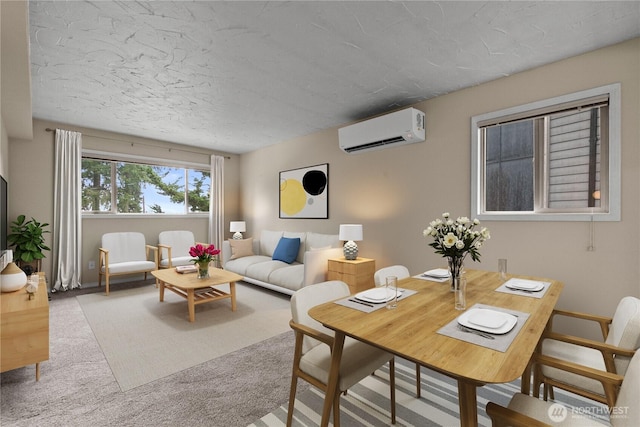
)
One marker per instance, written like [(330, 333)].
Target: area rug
[(367, 403), (144, 340)]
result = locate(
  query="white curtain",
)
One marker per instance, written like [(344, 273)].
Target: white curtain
[(216, 202), (67, 224)]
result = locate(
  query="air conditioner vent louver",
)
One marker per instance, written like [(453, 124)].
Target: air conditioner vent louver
[(372, 145), (401, 127)]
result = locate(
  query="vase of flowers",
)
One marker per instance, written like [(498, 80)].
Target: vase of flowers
[(202, 256), (455, 239)]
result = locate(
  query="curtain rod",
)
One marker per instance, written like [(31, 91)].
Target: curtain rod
[(139, 143)]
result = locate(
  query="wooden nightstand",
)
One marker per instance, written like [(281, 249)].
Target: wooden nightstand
[(358, 274)]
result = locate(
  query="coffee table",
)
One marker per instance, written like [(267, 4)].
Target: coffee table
[(198, 291)]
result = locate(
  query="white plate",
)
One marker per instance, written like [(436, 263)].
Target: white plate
[(440, 273), (377, 295), (524, 285), (486, 320)]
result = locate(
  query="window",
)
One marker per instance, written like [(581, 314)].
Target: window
[(142, 188), (557, 159)]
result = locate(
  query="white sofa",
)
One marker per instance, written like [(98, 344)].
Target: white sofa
[(253, 259)]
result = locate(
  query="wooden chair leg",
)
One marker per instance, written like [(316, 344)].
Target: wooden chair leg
[(418, 382), (392, 385), (336, 410), (292, 399), (545, 391)]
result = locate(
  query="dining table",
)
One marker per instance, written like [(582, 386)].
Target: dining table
[(416, 330)]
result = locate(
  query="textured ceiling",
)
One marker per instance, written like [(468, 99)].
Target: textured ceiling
[(237, 76)]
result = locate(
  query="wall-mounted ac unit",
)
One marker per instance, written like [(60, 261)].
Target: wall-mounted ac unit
[(398, 128)]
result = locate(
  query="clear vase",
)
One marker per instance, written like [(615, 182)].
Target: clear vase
[(456, 271), (203, 269)]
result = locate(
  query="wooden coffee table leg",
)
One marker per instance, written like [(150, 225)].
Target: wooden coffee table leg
[(161, 287), (192, 305), (232, 291)]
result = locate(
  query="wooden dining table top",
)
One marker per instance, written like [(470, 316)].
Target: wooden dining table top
[(410, 330)]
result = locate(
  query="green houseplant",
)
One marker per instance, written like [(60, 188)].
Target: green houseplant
[(27, 239)]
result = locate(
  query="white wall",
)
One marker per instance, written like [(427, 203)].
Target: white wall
[(395, 192)]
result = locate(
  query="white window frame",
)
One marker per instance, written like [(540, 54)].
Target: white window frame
[(613, 91), (119, 157)]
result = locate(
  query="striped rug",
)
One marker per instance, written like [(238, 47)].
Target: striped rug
[(367, 403)]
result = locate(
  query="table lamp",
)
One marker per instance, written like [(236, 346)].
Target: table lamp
[(351, 233), (237, 227)]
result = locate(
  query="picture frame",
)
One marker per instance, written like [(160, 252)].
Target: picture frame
[(304, 192)]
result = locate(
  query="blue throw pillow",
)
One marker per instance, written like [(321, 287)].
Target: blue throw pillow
[(287, 249)]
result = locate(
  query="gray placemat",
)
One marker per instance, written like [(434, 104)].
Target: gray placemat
[(537, 294), (499, 343), (367, 307)]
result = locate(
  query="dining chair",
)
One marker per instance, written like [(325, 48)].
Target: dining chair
[(528, 411), (400, 271), (173, 248), (313, 344), (379, 279), (620, 339)]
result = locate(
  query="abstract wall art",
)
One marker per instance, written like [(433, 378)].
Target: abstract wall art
[(304, 192)]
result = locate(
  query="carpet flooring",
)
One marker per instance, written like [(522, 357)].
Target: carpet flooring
[(78, 388), (144, 339)]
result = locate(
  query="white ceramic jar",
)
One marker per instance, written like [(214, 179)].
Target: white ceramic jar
[(12, 278)]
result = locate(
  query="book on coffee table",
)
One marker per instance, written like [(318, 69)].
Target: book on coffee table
[(186, 269)]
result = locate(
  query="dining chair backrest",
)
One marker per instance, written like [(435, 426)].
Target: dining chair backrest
[(629, 396), (624, 331), (310, 296), (400, 271)]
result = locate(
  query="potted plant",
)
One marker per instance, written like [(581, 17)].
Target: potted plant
[(27, 239)]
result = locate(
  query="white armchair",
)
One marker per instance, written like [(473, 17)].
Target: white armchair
[(312, 356), (621, 338), (125, 253), (173, 248)]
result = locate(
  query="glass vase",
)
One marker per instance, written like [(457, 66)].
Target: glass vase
[(203, 269), (456, 270)]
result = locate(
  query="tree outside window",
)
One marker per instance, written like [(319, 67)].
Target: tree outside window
[(143, 188)]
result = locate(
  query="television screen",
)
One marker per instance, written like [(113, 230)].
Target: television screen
[(3, 214)]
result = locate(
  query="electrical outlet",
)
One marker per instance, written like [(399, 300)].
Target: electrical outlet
[(92, 265)]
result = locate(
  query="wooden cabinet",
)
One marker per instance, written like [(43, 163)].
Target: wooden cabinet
[(357, 273), (24, 333)]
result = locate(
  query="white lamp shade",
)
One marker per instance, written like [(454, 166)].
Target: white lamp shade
[(236, 226), (350, 232)]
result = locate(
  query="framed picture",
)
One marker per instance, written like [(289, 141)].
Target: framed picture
[(304, 192)]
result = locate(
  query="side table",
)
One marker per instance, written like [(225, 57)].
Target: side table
[(357, 273), (24, 332)]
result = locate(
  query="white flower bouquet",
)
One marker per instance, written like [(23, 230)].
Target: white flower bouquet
[(457, 239)]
